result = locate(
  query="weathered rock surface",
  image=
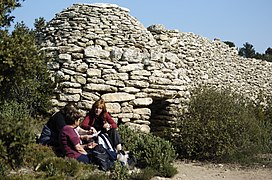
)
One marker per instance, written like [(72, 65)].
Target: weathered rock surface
[(145, 74)]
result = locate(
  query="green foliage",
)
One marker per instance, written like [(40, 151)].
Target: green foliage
[(144, 174), (26, 176), (219, 126), (48, 166), (39, 24), (16, 132), (23, 73), (268, 51), (6, 7), (230, 44), (268, 54), (99, 176), (56, 166), (247, 51), (41, 152), (120, 172), (263, 113), (168, 170), (4, 169), (150, 150)]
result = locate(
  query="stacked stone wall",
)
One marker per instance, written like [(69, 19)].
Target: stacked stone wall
[(144, 75)]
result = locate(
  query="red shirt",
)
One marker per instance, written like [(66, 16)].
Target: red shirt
[(97, 123), (69, 139)]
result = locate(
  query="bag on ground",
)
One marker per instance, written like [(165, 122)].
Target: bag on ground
[(104, 141), (101, 158)]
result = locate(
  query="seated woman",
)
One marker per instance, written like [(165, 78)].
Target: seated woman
[(70, 141), (98, 119)]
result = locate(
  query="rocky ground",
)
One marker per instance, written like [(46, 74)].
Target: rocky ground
[(208, 171)]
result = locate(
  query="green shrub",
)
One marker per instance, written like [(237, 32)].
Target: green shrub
[(150, 150), (168, 170), (144, 174), (263, 113), (16, 132), (219, 125), (67, 167), (36, 153), (54, 166), (120, 172), (99, 176), (3, 168)]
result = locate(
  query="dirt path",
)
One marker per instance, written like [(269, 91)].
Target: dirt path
[(197, 171)]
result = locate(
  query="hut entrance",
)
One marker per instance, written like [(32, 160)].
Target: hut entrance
[(159, 116)]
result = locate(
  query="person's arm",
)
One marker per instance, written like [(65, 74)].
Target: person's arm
[(82, 131), (109, 119), (68, 134), (80, 148), (85, 123)]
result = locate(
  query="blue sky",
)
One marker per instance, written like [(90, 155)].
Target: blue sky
[(238, 21)]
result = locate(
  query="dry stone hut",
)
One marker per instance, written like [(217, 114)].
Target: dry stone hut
[(144, 74)]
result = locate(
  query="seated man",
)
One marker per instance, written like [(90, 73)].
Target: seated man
[(51, 130)]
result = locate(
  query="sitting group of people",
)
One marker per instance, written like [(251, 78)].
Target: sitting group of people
[(67, 135)]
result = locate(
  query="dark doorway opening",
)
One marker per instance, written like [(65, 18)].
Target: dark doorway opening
[(159, 115)]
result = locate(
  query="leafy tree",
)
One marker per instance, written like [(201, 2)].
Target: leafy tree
[(230, 44), (6, 7), (247, 51), (39, 24), (23, 68), (23, 72), (259, 56), (268, 51), (268, 54)]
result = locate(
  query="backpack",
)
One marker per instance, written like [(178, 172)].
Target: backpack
[(101, 157), (104, 141)]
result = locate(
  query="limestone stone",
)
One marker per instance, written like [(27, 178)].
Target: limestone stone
[(130, 89), (100, 87), (90, 96), (72, 90), (137, 127), (79, 79), (82, 67), (85, 104), (69, 97), (93, 72), (96, 52), (145, 111), (142, 101), (70, 84), (65, 57), (113, 108), (118, 97), (131, 67)]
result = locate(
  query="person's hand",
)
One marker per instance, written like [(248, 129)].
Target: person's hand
[(91, 145), (92, 130), (107, 126), (88, 137)]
